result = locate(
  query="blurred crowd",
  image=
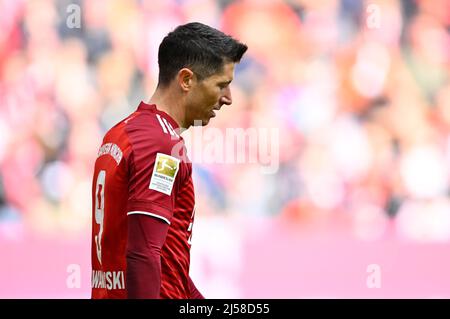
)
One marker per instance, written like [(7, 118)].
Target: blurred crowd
[(359, 91)]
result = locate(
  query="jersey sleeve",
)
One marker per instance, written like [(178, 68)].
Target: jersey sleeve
[(155, 175), (146, 236)]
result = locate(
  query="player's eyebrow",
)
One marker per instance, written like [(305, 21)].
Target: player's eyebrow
[(225, 82)]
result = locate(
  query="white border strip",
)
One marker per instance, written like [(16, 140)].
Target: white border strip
[(149, 214)]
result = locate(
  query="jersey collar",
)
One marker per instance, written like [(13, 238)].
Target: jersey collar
[(152, 108)]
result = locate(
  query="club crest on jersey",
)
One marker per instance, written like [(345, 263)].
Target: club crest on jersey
[(164, 173)]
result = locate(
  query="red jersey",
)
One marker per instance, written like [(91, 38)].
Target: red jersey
[(141, 168)]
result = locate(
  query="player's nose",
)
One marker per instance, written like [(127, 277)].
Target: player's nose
[(226, 97)]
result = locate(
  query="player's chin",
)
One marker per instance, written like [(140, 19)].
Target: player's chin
[(208, 118), (205, 121)]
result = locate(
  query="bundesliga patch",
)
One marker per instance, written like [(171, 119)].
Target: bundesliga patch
[(164, 173)]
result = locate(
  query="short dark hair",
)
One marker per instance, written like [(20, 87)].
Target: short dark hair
[(199, 47)]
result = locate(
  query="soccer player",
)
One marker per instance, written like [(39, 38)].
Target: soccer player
[(143, 202)]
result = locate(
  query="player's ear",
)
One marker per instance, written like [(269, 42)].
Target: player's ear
[(185, 79)]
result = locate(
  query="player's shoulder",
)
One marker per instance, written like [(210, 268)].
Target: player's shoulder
[(152, 130)]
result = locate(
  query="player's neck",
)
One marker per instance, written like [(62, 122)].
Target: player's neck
[(168, 102)]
